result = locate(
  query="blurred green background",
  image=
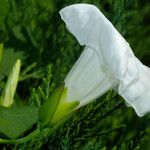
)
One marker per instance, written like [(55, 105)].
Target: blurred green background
[(33, 31)]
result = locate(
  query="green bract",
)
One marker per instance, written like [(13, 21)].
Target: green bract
[(64, 107), (56, 107), (48, 109)]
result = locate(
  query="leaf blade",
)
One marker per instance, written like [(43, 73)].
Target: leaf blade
[(15, 121)]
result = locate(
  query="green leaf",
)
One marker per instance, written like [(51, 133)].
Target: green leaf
[(48, 109), (15, 121), (11, 85)]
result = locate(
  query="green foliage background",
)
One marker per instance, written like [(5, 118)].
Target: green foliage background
[(34, 27)]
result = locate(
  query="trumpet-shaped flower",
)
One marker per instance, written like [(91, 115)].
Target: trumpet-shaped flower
[(107, 61)]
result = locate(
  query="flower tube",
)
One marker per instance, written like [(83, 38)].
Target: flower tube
[(107, 61)]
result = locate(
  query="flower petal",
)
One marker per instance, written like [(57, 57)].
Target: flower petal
[(92, 28), (137, 93), (86, 80)]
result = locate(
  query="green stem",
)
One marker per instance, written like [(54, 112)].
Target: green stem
[(21, 140)]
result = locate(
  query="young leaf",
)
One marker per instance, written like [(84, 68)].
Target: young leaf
[(15, 121), (11, 85), (48, 109)]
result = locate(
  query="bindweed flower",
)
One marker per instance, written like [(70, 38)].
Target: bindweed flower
[(107, 61)]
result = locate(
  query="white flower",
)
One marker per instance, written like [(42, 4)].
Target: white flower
[(107, 61)]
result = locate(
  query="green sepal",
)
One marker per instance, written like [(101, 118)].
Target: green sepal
[(48, 109), (64, 108), (7, 97)]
